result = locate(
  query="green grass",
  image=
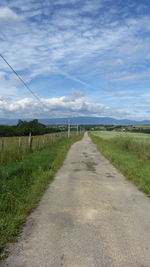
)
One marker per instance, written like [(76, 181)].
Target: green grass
[(130, 153), (13, 149), (139, 137), (22, 184)]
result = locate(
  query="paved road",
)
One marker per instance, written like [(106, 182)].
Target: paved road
[(90, 216)]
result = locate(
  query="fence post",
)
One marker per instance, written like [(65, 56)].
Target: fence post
[(2, 145), (68, 128), (50, 138), (43, 139), (2, 150), (38, 143), (19, 143), (77, 129), (30, 141)]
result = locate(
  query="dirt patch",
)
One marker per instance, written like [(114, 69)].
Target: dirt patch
[(85, 154), (90, 166), (109, 175), (77, 170)]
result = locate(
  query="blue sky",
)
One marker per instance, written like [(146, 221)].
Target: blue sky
[(82, 58)]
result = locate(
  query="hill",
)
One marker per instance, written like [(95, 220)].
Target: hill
[(80, 120)]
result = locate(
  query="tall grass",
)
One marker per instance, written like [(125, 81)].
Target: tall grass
[(130, 155), (15, 148), (23, 182), (141, 149), (139, 137)]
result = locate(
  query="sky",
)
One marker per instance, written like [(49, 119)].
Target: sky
[(80, 57)]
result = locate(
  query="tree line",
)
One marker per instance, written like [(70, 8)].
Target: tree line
[(24, 128)]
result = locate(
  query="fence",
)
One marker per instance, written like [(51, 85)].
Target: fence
[(14, 148)]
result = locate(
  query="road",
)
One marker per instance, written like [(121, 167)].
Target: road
[(89, 216)]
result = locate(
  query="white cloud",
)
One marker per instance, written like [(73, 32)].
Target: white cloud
[(66, 39), (7, 14), (77, 94), (131, 77), (119, 62), (65, 2), (8, 18), (147, 101), (9, 85), (53, 42), (75, 105)]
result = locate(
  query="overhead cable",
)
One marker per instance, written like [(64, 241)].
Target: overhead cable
[(24, 83)]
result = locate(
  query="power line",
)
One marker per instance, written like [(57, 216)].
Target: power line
[(24, 83)]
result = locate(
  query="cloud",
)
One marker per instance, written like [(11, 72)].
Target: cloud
[(74, 44), (131, 77), (9, 85), (77, 94), (61, 38), (119, 61), (73, 78), (7, 14), (66, 36), (124, 96), (65, 2), (8, 18), (147, 101), (56, 107)]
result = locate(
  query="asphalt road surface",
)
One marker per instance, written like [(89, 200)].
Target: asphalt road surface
[(90, 216)]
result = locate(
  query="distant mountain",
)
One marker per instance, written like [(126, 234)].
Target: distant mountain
[(80, 120), (93, 120)]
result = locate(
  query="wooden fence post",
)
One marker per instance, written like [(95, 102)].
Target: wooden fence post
[(38, 143), (2, 145), (43, 139), (19, 143), (50, 138), (30, 141), (2, 150)]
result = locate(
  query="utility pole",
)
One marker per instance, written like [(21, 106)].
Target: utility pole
[(68, 128)]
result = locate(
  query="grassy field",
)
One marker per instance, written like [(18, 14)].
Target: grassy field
[(22, 184), (138, 137), (129, 152)]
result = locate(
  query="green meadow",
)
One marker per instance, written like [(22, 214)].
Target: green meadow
[(129, 152)]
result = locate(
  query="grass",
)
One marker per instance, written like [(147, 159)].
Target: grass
[(130, 153), (139, 137), (22, 184), (15, 148)]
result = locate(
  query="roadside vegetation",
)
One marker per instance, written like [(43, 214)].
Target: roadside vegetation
[(24, 128), (129, 152), (15, 148), (27, 137), (23, 182), (120, 128)]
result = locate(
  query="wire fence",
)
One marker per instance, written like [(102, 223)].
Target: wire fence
[(14, 148)]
